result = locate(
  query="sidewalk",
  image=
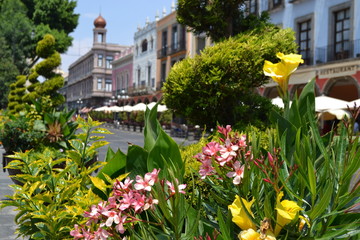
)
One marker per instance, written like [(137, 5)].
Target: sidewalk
[(7, 215)]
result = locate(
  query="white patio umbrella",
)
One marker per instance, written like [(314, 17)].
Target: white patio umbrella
[(334, 113), (101, 109), (352, 103), (278, 102), (151, 105), (126, 108), (139, 107), (324, 103), (162, 108), (114, 109)]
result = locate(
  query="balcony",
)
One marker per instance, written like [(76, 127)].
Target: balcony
[(174, 48), (177, 47), (163, 52), (350, 49), (140, 90)]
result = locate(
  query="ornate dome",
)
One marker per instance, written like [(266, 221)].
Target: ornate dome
[(99, 22)]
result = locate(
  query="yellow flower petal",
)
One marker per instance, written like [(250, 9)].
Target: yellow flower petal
[(240, 217), (286, 212), (280, 72), (251, 234)]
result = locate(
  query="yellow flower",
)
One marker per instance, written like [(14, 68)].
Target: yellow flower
[(280, 72), (240, 217), (250, 234), (286, 212)]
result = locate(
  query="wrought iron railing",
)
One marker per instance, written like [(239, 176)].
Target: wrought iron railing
[(349, 49)]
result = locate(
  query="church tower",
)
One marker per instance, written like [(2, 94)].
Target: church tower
[(99, 30)]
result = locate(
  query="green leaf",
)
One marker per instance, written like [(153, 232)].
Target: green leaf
[(312, 180), (136, 160), (224, 227), (323, 202), (152, 128), (115, 164), (166, 148), (306, 101), (101, 131), (99, 183)]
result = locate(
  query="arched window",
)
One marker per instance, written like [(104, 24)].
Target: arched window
[(144, 45)]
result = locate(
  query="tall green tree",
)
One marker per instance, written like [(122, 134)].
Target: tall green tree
[(219, 19), (219, 85), (16, 29), (8, 72), (25, 22), (55, 17)]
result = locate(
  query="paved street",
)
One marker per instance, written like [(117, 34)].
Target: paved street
[(119, 139)]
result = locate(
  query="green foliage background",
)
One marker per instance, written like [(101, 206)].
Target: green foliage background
[(218, 86), (219, 19)]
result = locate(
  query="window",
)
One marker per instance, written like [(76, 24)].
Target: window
[(127, 81), (149, 75), (144, 45), (276, 3), (342, 34), (253, 6), (200, 44), (109, 59), (304, 38), (163, 73), (100, 60), (100, 37), (163, 43), (151, 43), (99, 83), (138, 75), (174, 37), (108, 85), (118, 82)]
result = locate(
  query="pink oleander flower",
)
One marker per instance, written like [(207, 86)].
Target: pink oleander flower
[(126, 201), (211, 149), (171, 186), (238, 173), (76, 233), (101, 234), (150, 203), (206, 169), (120, 227), (147, 182), (227, 152), (112, 217), (120, 187), (139, 201), (224, 130), (242, 142)]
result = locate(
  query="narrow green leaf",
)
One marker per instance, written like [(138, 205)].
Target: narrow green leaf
[(323, 203), (224, 228)]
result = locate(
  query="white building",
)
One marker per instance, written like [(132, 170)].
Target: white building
[(328, 34), (144, 60)]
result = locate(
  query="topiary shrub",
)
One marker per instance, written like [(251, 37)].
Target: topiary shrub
[(218, 86)]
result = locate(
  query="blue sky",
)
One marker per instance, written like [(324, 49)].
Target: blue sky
[(122, 19)]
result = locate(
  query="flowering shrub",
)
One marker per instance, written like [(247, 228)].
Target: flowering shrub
[(302, 186), (109, 218)]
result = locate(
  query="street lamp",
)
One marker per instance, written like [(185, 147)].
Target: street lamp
[(79, 102)]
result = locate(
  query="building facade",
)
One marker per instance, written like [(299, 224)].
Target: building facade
[(144, 88), (90, 77), (328, 35), (122, 76)]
